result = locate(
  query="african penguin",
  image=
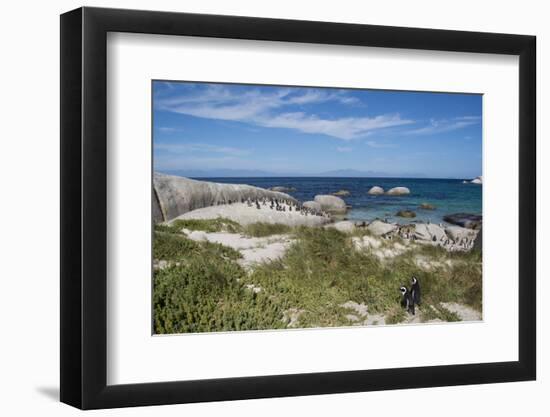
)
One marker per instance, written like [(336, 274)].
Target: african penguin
[(406, 300), (415, 290)]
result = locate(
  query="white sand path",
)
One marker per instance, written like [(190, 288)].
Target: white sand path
[(253, 249)]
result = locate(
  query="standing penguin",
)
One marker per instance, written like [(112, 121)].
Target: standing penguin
[(406, 300), (415, 290)]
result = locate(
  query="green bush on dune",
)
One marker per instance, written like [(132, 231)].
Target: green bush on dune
[(200, 290), (203, 295), (265, 229), (220, 224)]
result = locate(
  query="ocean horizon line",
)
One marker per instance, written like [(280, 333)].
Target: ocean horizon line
[(199, 177), (323, 176)]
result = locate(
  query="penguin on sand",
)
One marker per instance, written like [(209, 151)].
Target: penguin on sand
[(415, 290), (406, 300)]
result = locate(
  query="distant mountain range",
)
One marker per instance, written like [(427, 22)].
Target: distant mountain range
[(221, 173)]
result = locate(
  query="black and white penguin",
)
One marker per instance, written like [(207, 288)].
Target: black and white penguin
[(415, 290), (406, 300)]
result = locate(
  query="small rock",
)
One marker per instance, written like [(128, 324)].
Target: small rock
[(426, 206), (477, 180), (341, 193), (398, 191), (282, 189), (467, 220), (406, 213), (376, 190)]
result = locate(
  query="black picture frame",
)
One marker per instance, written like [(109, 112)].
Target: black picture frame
[(84, 207)]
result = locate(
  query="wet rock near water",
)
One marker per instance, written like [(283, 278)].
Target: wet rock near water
[(341, 193), (376, 190), (467, 220), (426, 206), (331, 204), (406, 213), (282, 189), (399, 191)]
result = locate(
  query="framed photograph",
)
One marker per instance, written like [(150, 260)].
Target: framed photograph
[(257, 208)]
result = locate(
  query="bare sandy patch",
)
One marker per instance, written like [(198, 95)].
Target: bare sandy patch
[(253, 249)]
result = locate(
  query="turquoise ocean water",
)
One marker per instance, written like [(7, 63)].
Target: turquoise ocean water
[(447, 195)]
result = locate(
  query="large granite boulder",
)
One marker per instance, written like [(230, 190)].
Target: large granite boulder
[(376, 190), (331, 203), (244, 215), (379, 228), (312, 205), (398, 191), (429, 232), (467, 220), (173, 196)]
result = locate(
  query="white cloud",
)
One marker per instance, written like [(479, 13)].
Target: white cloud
[(265, 109), (344, 149), (347, 128), (442, 126)]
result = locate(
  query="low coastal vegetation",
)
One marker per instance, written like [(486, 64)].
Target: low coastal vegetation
[(202, 287), (258, 229)]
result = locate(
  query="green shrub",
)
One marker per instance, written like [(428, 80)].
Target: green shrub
[(220, 224), (204, 294), (261, 229), (172, 247)]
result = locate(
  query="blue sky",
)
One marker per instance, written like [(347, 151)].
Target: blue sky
[(304, 131)]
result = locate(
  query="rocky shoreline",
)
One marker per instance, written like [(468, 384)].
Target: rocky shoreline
[(185, 199)]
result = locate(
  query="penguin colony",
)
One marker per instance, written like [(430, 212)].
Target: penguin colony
[(283, 205), (410, 297), (464, 244)]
